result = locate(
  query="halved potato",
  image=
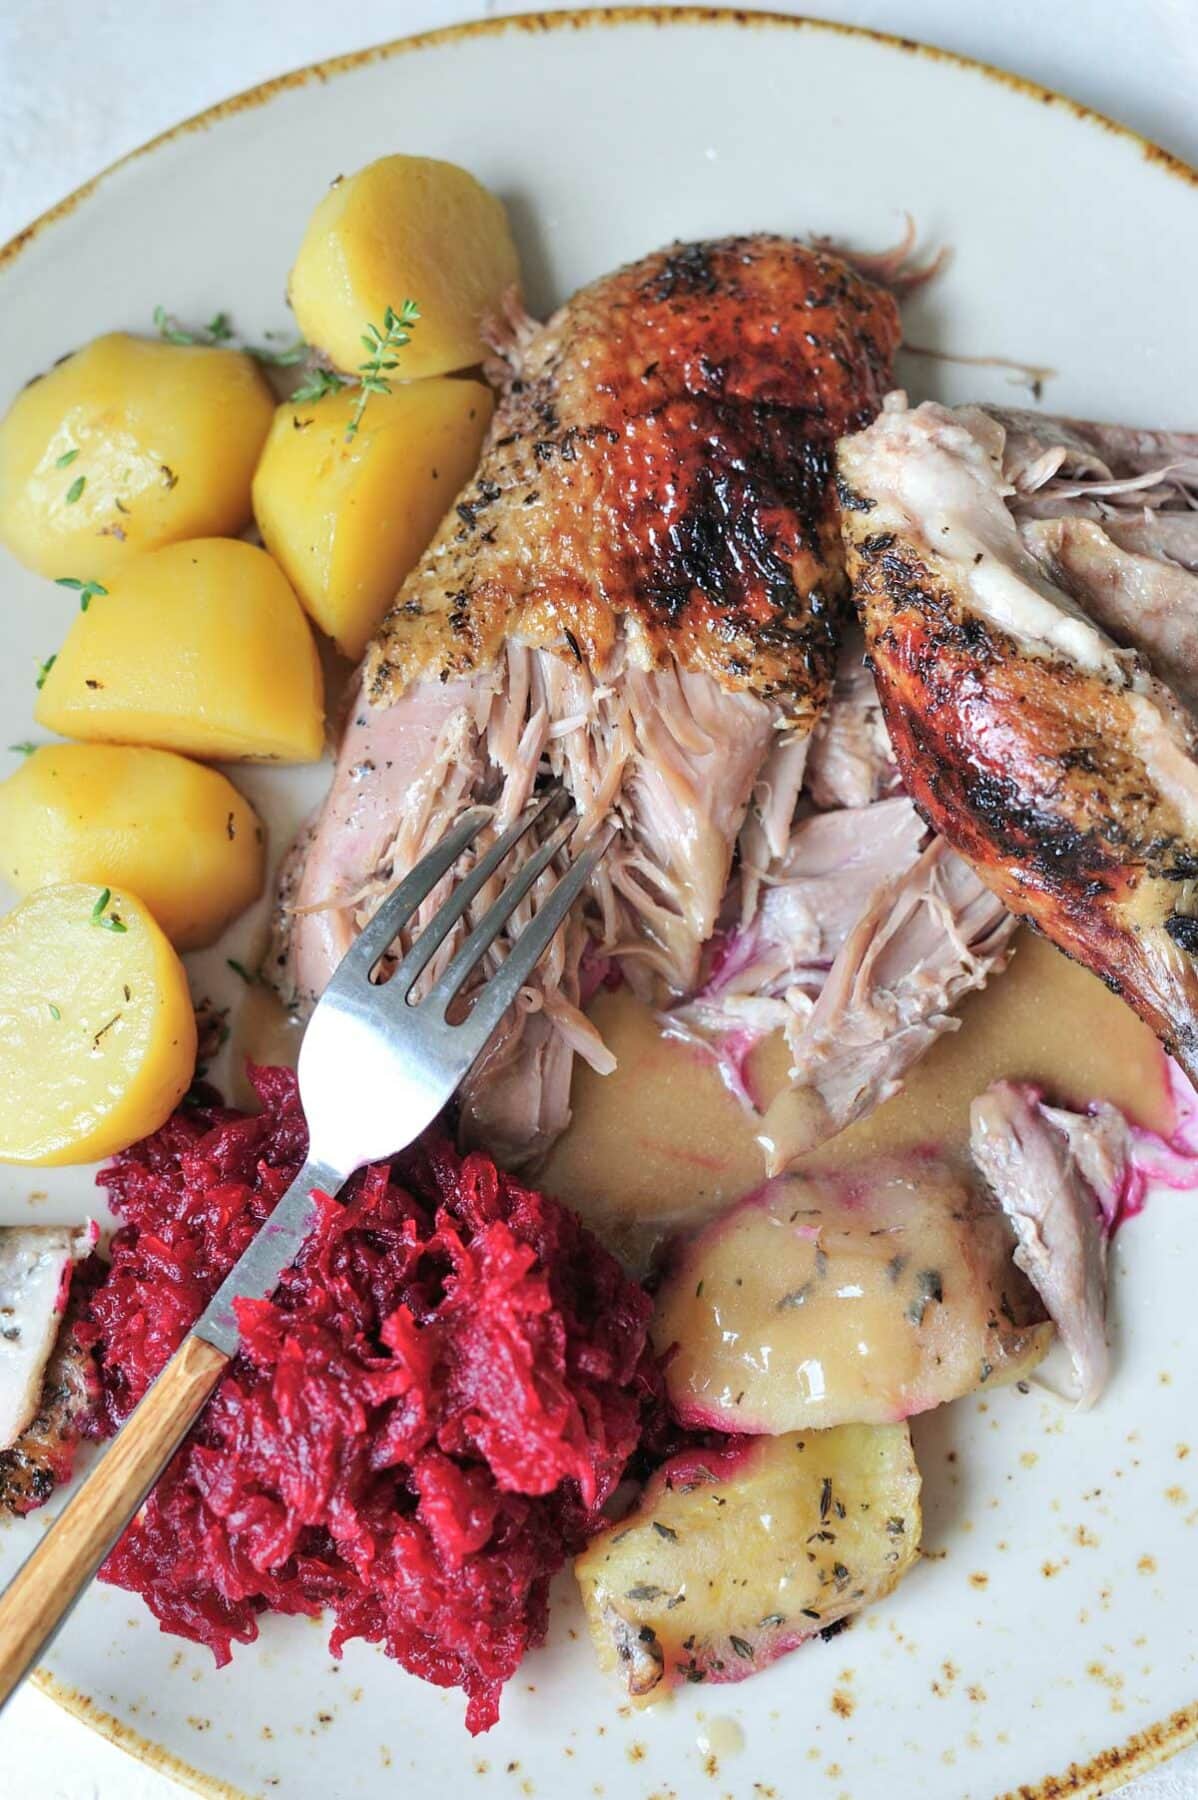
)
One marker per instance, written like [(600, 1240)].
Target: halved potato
[(866, 1295), (200, 647), (177, 834), (126, 445), (97, 1032), (733, 1558), (347, 518), (404, 228)]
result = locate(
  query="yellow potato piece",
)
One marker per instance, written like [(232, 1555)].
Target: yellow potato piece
[(126, 445), (405, 228), (97, 1033), (200, 647), (179, 835), (346, 519)]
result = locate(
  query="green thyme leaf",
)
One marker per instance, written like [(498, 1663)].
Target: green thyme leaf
[(317, 383), (170, 328), (86, 590), (280, 359), (75, 491), (54, 1012), (66, 459), (44, 669), (929, 1290), (240, 969), (25, 749), (108, 921)]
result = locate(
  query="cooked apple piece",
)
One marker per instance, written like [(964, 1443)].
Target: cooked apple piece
[(860, 1296), (733, 1558)]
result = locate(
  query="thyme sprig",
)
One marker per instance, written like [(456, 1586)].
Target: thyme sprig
[(381, 347), (373, 376), (107, 921), (86, 590), (218, 330)]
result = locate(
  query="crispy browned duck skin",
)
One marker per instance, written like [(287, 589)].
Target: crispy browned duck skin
[(1072, 789), (43, 1455), (661, 466)]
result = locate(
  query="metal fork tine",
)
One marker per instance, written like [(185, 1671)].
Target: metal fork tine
[(381, 931), (493, 920), (446, 917), (498, 993)]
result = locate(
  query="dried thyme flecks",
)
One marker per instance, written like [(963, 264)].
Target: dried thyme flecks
[(929, 1290)]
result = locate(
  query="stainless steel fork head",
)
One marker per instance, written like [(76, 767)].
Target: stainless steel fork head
[(375, 1066)]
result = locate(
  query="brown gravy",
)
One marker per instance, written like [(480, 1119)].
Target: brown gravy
[(661, 1140)]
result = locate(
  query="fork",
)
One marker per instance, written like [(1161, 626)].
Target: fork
[(376, 1066)]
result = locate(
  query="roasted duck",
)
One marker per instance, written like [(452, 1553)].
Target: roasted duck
[(638, 595), (1027, 592)]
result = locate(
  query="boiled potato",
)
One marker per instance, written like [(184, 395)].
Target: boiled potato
[(200, 647), (734, 1557), (347, 518), (126, 445), (866, 1295), (179, 835), (405, 227), (97, 1033)]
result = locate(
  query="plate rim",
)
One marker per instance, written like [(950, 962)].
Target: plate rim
[(1155, 1743), (580, 19)]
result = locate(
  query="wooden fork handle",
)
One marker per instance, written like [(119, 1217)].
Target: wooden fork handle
[(49, 1581)]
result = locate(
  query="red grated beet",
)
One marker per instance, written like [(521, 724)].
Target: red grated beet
[(421, 1425)]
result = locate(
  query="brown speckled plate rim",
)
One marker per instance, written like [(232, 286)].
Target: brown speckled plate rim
[(1112, 1768)]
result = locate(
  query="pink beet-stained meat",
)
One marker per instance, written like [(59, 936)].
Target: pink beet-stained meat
[(423, 1422)]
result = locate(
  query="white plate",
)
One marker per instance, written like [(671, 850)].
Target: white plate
[(1055, 1618)]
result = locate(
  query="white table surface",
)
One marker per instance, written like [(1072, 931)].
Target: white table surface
[(80, 84)]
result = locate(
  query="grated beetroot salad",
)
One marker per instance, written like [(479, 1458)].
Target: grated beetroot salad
[(421, 1425)]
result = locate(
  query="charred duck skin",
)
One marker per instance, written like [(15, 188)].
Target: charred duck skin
[(661, 465), (1047, 754)]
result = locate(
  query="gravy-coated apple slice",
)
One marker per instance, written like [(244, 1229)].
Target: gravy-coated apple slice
[(731, 1559), (862, 1296)]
